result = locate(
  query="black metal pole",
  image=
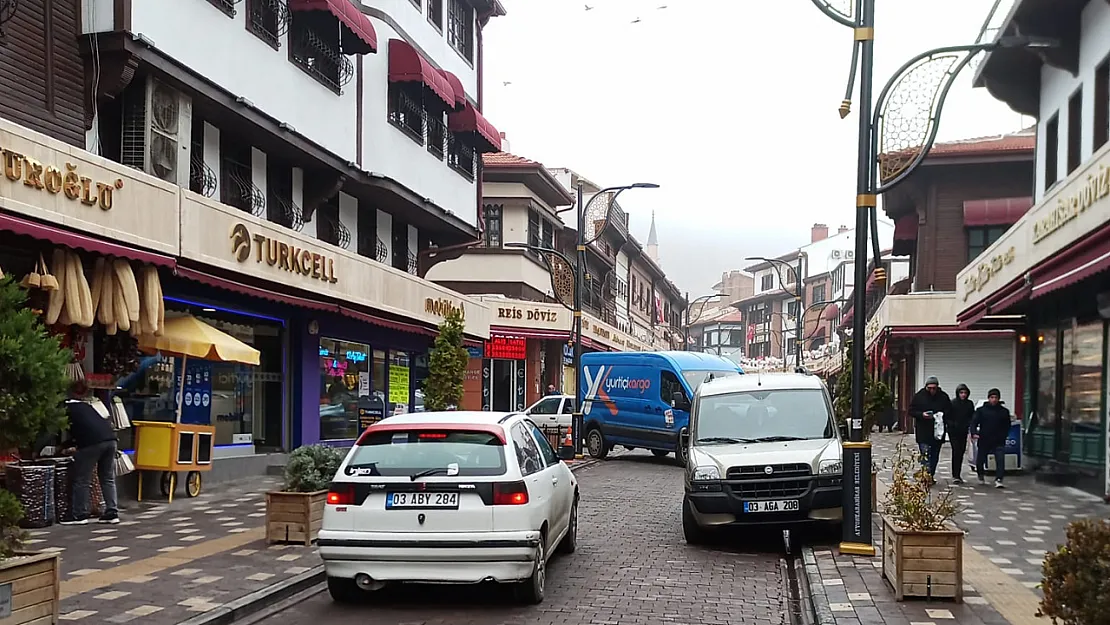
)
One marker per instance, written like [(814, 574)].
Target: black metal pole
[(686, 326), (798, 325), (579, 284), (857, 452)]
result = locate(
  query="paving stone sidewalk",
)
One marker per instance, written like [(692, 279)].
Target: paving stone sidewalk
[(1012, 527), (168, 562)]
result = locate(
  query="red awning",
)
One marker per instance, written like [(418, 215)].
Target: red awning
[(59, 236), (922, 332), (386, 323), (456, 87), (996, 212), (905, 235), (831, 311), (253, 291), (470, 120), (359, 36), (407, 65), (1078, 261)]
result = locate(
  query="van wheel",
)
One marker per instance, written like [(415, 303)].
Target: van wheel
[(344, 590), (596, 445), (681, 453), (659, 453), (531, 591), (694, 533)]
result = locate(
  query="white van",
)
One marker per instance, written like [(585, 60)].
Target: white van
[(764, 449)]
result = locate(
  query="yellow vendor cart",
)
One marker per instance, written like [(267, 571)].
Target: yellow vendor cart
[(173, 447)]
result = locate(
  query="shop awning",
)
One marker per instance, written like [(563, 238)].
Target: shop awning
[(407, 65), (358, 34), (529, 333), (470, 120), (60, 236), (831, 311), (996, 211), (921, 332), (456, 87), (1078, 261), (253, 291), (905, 235), (398, 326)]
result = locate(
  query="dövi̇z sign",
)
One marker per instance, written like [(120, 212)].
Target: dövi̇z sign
[(49, 178), (509, 312), (281, 255)]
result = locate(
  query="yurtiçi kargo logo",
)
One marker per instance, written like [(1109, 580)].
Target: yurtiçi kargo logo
[(623, 383)]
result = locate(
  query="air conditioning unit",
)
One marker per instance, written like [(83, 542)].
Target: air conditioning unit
[(157, 126), (836, 254), (849, 254)]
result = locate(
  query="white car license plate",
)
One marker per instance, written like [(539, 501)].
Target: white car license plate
[(782, 505), (448, 501)]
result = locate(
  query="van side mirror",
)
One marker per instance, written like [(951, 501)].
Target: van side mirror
[(678, 400)]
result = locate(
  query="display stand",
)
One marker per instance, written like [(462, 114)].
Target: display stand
[(172, 448)]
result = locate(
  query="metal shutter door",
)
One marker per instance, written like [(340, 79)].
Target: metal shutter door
[(981, 364)]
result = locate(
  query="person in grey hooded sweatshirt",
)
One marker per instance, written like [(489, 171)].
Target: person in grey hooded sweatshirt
[(957, 422)]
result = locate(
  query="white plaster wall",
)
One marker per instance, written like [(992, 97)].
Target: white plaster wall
[(385, 234), (97, 16), (414, 23), (514, 225), (348, 214), (1058, 85)]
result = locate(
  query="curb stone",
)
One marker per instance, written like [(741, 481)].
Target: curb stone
[(818, 600), (258, 600)]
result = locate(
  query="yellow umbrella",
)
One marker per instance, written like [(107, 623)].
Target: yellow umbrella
[(188, 336)]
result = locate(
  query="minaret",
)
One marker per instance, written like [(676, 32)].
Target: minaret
[(653, 241)]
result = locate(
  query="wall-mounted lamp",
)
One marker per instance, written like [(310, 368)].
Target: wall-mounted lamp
[(287, 127), (1023, 339), (240, 100)]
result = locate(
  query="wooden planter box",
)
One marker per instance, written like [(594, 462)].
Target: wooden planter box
[(294, 517), (33, 580), (923, 564)]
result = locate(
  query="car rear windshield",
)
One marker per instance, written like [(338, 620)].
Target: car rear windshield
[(695, 378), (788, 414), (432, 452)]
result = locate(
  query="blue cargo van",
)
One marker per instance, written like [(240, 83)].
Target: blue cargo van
[(642, 399)]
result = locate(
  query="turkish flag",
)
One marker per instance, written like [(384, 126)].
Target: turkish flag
[(751, 332)]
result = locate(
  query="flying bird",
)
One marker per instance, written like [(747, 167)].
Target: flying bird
[(589, 8), (506, 83), (636, 21)]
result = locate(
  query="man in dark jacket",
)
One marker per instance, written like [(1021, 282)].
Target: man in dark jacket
[(926, 403), (95, 441), (990, 427), (957, 422)]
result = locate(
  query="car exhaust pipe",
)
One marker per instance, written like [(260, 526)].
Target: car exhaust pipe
[(365, 582)]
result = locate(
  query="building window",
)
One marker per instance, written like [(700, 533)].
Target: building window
[(818, 293), (493, 231), (1075, 130), (790, 343), (1051, 151), (268, 20), (979, 239), (436, 123), (1102, 104), (767, 282), (406, 111), (316, 50), (460, 28), (792, 308), (533, 229), (435, 14), (227, 6), (460, 155), (348, 403), (548, 235)]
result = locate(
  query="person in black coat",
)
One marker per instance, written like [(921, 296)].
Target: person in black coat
[(991, 427), (957, 424), (926, 403), (94, 449)]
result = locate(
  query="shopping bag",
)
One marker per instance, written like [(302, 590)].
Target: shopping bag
[(120, 420), (123, 464), (938, 426)]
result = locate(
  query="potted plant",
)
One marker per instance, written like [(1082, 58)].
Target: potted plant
[(33, 385), (922, 551), (1077, 576), (877, 398), (295, 513), (443, 389)]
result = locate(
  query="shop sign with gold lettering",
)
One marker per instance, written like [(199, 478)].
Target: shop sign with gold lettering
[(987, 270), (1093, 189), (66, 181), (527, 314), (280, 254), (442, 307)]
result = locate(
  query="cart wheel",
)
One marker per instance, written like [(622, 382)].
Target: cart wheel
[(193, 483), (168, 483)]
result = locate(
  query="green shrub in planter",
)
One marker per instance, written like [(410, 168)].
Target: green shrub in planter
[(1076, 581), (311, 468), (11, 513)]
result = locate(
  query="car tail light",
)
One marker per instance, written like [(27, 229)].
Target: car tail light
[(433, 435), (341, 495), (510, 494)]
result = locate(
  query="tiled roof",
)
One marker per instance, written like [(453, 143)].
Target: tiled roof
[(505, 159), (1023, 141)]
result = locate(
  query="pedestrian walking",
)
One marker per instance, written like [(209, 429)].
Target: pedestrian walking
[(551, 390), (989, 428), (957, 424), (93, 443), (926, 403)]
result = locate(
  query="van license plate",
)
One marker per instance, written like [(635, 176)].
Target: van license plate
[(782, 505), (447, 501)]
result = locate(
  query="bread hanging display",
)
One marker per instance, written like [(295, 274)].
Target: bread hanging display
[(118, 297)]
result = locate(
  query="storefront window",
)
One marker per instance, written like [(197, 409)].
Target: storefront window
[(1046, 383), (346, 403), (1082, 373), (399, 382)]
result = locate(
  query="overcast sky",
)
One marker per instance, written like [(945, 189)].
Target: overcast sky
[(729, 105)]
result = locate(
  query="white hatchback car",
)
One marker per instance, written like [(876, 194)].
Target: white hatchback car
[(448, 497)]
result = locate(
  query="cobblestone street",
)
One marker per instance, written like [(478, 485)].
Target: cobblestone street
[(632, 566)]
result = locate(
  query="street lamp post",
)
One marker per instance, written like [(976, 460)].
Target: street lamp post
[(890, 146), (798, 294), (704, 299)]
